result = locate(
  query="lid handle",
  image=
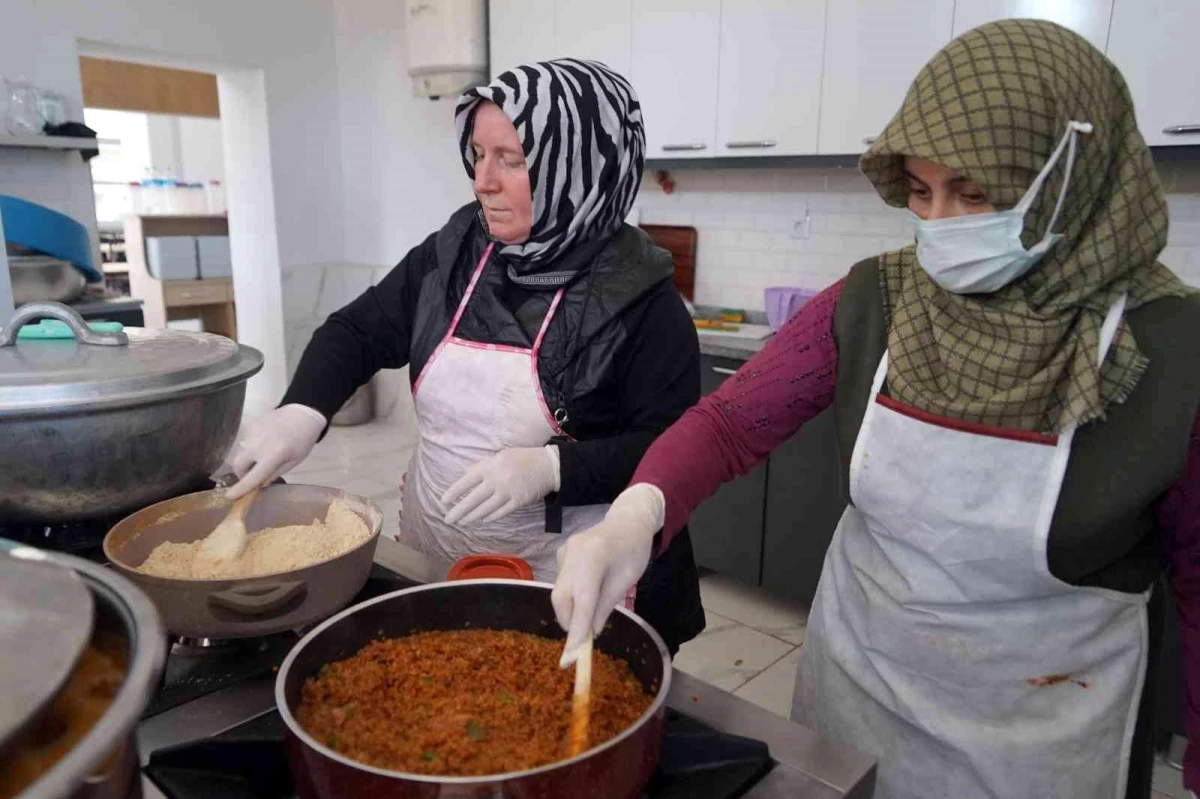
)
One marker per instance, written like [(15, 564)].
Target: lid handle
[(63, 313)]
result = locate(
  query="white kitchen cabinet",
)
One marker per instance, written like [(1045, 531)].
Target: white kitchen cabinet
[(588, 30), (1153, 42), (1088, 18), (537, 30), (675, 49), (770, 77), (873, 50), (520, 31)]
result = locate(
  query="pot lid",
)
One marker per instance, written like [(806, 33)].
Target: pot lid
[(94, 367), (45, 623)]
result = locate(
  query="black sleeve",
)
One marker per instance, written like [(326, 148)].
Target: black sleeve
[(371, 333), (658, 379)]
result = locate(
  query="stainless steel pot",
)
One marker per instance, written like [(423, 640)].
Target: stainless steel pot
[(104, 423), (616, 769), (122, 609), (252, 606), (42, 279)]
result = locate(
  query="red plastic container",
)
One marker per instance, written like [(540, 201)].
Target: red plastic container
[(486, 567)]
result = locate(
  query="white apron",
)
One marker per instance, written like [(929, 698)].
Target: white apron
[(472, 401), (940, 643)]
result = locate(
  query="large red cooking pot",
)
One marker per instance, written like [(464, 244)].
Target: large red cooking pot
[(616, 769)]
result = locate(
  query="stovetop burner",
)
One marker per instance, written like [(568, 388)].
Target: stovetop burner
[(83, 539), (183, 646), (250, 762), (197, 667)]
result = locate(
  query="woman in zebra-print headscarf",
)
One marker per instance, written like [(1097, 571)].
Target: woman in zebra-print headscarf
[(546, 342), (580, 129)]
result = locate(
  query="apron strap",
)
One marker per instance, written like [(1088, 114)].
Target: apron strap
[(554, 303), (462, 305), (1108, 331), (1066, 438)]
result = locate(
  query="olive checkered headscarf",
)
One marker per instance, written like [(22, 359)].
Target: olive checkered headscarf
[(992, 105)]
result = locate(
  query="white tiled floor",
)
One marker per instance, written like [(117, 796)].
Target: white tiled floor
[(753, 641), (751, 645), (1168, 782)]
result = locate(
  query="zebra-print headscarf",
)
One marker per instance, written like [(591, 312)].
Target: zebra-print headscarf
[(580, 125)]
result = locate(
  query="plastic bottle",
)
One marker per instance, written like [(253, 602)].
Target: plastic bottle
[(216, 198)]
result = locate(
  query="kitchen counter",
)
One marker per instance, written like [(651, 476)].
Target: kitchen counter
[(807, 767)]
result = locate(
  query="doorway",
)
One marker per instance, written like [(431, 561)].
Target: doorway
[(159, 189)]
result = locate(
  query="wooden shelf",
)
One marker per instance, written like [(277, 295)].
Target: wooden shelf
[(35, 141), (211, 299), (173, 225)]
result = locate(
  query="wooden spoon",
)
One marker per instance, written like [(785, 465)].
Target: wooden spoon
[(577, 736), (228, 539)]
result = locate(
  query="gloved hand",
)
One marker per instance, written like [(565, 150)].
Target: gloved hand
[(596, 568), (272, 444), (495, 487)]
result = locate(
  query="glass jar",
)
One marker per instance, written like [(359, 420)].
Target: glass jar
[(22, 116)]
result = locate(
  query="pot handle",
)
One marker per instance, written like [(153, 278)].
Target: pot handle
[(258, 600), (63, 313)]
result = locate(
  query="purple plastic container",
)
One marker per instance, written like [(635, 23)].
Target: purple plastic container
[(783, 301)]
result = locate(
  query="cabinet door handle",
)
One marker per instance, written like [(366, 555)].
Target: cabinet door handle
[(724, 370), (691, 147), (1181, 130), (869, 140), (762, 144)]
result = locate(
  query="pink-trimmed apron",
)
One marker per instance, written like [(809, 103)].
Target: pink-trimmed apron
[(472, 401)]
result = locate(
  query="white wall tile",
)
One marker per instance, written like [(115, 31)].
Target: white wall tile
[(1183, 207), (718, 238), (301, 290), (740, 220), (738, 259), (341, 285), (1184, 233), (1176, 258), (753, 240), (708, 219)]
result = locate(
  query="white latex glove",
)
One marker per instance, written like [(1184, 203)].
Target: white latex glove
[(273, 444), (494, 487), (596, 568)]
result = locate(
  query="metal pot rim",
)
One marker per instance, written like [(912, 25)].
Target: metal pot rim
[(249, 363), (148, 645), (103, 370), (223, 583), (294, 727)]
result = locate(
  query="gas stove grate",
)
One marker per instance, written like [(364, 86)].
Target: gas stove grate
[(250, 762)]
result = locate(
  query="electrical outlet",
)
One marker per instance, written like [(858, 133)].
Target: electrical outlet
[(801, 226)]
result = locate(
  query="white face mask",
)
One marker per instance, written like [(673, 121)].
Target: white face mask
[(982, 253)]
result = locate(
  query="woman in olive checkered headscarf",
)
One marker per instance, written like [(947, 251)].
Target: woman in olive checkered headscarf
[(1016, 400)]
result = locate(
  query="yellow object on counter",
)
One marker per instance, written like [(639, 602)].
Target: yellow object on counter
[(715, 324), (732, 316)]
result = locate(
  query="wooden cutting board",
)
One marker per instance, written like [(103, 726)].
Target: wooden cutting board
[(680, 241)]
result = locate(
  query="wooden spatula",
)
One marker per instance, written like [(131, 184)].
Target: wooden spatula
[(577, 735), (228, 539)]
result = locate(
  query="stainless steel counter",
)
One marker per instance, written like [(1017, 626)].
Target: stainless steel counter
[(807, 768)]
